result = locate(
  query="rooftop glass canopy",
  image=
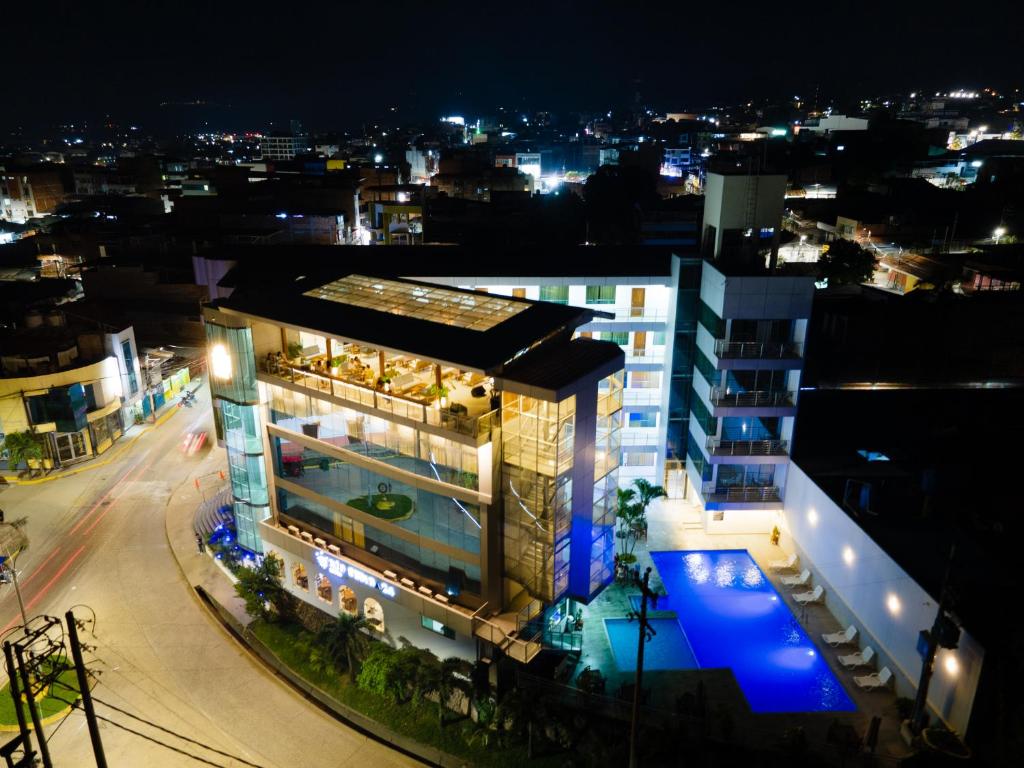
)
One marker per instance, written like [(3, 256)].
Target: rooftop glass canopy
[(462, 309)]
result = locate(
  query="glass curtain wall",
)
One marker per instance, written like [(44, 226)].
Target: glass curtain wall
[(538, 440), (607, 455), (233, 385)]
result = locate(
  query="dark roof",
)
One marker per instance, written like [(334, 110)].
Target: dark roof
[(276, 263), (554, 366), (284, 302)]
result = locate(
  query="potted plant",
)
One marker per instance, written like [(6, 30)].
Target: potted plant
[(336, 362), (294, 350), (942, 741), (441, 393)]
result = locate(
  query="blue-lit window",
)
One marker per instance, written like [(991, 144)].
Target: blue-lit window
[(643, 419)]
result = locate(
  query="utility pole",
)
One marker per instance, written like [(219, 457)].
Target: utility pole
[(12, 674), (33, 707), (646, 632), (13, 570), (83, 689)]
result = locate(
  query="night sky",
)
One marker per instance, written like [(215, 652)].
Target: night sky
[(339, 64)]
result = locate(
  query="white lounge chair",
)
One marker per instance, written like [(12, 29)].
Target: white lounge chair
[(874, 680), (836, 639), (861, 659), (784, 565), (805, 598), (796, 581)]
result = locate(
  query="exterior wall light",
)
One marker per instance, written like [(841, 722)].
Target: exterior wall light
[(893, 604), (220, 362), (848, 556), (812, 517)]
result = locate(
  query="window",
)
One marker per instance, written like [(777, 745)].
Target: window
[(600, 294), (436, 626), (129, 364), (616, 337), (644, 379), (558, 294), (711, 321), (643, 419), (323, 588), (519, 293), (639, 458)]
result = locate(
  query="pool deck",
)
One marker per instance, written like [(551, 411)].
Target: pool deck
[(675, 525)]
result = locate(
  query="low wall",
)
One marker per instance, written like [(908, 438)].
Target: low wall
[(346, 714), (867, 588)]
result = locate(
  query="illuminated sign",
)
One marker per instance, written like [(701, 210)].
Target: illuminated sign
[(336, 567)]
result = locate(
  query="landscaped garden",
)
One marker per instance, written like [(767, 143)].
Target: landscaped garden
[(55, 698)]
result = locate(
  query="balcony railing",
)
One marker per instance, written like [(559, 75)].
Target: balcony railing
[(760, 350), (641, 356), (634, 314), (396, 405), (754, 399), (746, 493), (720, 447)]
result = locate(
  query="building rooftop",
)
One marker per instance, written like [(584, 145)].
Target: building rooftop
[(276, 263), (447, 325), (554, 366)]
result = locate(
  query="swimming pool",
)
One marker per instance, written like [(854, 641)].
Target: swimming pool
[(733, 617), (668, 648)]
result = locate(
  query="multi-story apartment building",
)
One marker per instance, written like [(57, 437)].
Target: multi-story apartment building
[(747, 363), (283, 146), (29, 192), (444, 461)]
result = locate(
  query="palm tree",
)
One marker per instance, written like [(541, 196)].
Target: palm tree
[(343, 641), (23, 447), (647, 492), (626, 511)]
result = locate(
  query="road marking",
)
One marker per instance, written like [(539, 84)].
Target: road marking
[(39, 595), (34, 573)]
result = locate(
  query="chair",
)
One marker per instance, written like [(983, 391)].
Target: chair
[(796, 581), (874, 680), (861, 659), (806, 598), (836, 639), (784, 565)]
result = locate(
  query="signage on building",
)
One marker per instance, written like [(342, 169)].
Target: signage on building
[(336, 567)]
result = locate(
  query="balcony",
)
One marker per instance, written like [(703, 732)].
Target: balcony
[(719, 447), (758, 350), (464, 413), (744, 494), (723, 398)]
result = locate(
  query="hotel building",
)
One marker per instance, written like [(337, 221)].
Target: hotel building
[(444, 461)]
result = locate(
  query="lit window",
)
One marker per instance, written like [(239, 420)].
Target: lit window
[(220, 362)]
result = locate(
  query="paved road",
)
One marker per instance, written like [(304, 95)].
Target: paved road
[(99, 539)]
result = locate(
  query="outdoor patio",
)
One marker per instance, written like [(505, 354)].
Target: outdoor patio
[(676, 525)]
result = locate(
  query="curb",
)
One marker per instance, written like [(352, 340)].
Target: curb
[(349, 717)]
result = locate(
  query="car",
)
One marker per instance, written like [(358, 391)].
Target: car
[(193, 442)]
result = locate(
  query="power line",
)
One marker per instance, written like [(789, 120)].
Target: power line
[(200, 744)]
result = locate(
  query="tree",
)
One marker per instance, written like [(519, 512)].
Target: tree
[(343, 642), (845, 262), (647, 492), (24, 447), (262, 591), (627, 512)]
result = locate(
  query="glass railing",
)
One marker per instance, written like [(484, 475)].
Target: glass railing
[(758, 349), (720, 447), (396, 405), (754, 399)]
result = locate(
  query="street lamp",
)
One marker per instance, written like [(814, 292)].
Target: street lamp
[(998, 233)]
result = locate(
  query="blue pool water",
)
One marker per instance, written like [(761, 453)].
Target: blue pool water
[(733, 617), (668, 648)]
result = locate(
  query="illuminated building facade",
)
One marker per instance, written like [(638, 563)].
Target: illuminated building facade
[(443, 461)]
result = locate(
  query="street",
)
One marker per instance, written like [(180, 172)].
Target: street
[(98, 541)]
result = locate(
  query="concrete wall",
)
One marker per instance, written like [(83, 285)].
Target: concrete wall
[(866, 587), (725, 202)]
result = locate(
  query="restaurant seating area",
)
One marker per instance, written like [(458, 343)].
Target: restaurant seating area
[(459, 396)]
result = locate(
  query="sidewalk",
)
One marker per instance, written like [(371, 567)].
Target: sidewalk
[(199, 569)]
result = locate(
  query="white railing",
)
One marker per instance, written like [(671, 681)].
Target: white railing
[(720, 447)]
